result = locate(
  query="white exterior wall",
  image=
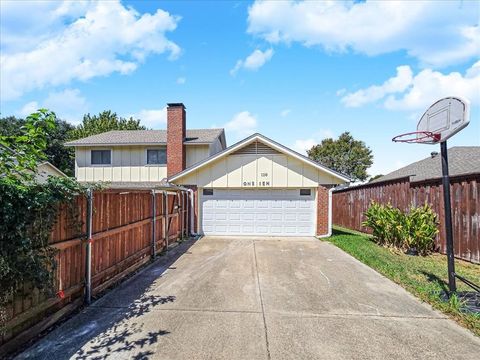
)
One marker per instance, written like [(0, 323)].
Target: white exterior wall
[(257, 171), (196, 153), (129, 163)]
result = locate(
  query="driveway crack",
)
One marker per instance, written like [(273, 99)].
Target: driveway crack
[(261, 300)]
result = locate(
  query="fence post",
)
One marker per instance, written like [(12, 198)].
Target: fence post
[(187, 230), (154, 215), (165, 218), (182, 214), (88, 260)]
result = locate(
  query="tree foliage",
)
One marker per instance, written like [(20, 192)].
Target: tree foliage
[(28, 210), (55, 152), (105, 121), (345, 155)]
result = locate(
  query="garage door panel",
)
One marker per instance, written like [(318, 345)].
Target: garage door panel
[(258, 212)]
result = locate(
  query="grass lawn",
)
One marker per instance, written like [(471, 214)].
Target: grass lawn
[(425, 277)]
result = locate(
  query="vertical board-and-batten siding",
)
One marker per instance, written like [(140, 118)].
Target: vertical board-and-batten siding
[(238, 171), (129, 163), (349, 206)]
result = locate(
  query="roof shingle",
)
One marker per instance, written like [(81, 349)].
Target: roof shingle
[(462, 160), (145, 137)]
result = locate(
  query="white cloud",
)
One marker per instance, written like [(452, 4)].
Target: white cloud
[(68, 105), (406, 91), (302, 145), (285, 112), (103, 37), (28, 108), (398, 83), (242, 124), (181, 80), (436, 33), (152, 118), (254, 61)]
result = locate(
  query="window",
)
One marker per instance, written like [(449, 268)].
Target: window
[(157, 156), (305, 192), (207, 192), (101, 157)]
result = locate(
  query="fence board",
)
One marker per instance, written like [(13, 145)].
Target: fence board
[(349, 206), (122, 241)]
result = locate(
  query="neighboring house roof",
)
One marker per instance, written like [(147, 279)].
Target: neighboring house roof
[(264, 139), (462, 160), (147, 137)]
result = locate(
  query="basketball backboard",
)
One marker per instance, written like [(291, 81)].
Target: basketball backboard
[(444, 118)]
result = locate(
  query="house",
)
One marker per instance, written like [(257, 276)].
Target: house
[(44, 169), (254, 187), (462, 160)]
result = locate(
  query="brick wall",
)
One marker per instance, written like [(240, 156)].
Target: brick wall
[(176, 133), (322, 211)]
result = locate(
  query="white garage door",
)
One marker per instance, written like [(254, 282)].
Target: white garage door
[(258, 212)]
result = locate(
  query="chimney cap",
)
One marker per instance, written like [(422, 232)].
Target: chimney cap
[(176, 105)]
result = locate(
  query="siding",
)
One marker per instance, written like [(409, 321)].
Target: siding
[(129, 163), (196, 153), (250, 171)]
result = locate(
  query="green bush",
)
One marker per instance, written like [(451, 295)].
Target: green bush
[(412, 230)]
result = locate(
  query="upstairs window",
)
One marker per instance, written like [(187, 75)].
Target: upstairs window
[(101, 157), (157, 156)]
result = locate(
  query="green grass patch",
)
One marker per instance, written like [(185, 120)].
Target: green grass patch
[(424, 276)]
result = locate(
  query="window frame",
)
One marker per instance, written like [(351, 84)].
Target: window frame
[(101, 165), (155, 149), (305, 190), (209, 190)]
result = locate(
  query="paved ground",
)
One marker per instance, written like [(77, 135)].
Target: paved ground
[(253, 298)]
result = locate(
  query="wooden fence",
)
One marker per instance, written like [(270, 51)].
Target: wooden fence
[(349, 206), (122, 241)]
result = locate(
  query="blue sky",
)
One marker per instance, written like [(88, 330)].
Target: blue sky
[(296, 72)]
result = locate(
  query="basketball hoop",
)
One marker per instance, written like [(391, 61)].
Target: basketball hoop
[(441, 121), (420, 137)]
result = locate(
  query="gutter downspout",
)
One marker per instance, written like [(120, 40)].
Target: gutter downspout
[(192, 212), (330, 198)]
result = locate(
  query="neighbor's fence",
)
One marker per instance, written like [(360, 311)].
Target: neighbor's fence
[(123, 240), (349, 206)]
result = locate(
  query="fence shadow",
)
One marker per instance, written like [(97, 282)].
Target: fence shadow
[(112, 327)]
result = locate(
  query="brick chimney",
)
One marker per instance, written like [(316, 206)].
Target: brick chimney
[(176, 134)]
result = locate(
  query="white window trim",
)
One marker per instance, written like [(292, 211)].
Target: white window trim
[(154, 148), (101, 165)]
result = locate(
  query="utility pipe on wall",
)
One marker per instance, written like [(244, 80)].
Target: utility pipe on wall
[(192, 212)]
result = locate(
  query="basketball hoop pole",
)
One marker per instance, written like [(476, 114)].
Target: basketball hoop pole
[(448, 218)]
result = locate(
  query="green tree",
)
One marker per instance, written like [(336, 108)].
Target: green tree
[(345, 155), (105, 121), (374, 177), (21, 153), (56, 153)]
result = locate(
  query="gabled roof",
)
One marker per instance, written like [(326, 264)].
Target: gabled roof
[(462, 160), (147, 137), (275, 145)]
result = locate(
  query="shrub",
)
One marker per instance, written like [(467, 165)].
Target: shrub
[(415, 229)]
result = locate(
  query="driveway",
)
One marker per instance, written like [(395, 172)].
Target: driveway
[(257, 298)]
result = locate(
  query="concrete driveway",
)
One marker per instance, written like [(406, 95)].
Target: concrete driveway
[(257, 298)]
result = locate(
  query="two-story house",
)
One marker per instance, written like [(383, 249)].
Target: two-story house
[(254, 187)]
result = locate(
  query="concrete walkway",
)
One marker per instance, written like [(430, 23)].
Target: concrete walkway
[(257, 298)]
